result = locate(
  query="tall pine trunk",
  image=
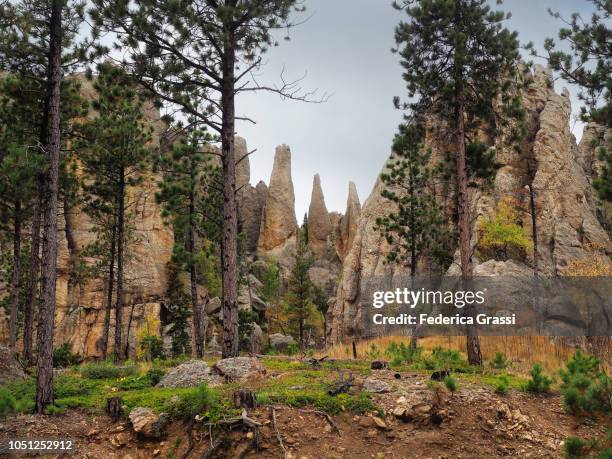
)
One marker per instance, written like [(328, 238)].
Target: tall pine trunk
[(16, 280), (193, 276), (28, 316), (118, 354), (413, 254), (472, 339), (44, 375), (110, 284), (229, 240)]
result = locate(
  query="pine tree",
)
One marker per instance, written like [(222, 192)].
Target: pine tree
[(20, 163), (589, 65), (18, 170), (178, 311), (457, 59), (418, 226), (299, 294), (187, 170), (272, 292), (37, 43), (115, 153), (198, 55)]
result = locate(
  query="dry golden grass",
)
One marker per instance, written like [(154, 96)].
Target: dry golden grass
[(521, 351)]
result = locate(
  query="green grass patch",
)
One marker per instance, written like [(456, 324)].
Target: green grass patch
[(493, 380), (309, 388), (107, 370)]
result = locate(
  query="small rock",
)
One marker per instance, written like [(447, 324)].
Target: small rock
[(379, 423), (119, 440), (147, 423), (375, 386), (378, 365), (401, 412)]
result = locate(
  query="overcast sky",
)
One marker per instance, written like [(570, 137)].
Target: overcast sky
[(344, 49)]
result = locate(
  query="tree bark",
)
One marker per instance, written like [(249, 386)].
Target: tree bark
[(16, 280), (44, 379), (117, 350), (193, 276), (109, 292), (28, 319), (229, 240), (472, 339)]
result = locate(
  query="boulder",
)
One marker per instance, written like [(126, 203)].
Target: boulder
[(281, 342), (375, 386), (190, 374), (240, 368), (249, 299), (10, 369), (256, 340), (213, 306), (148, 424)]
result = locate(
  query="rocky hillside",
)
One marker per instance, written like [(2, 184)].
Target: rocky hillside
[(267, 220), (549, 165)]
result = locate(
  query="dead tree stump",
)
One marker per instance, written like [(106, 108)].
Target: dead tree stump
[(114, 407), (244, 398)]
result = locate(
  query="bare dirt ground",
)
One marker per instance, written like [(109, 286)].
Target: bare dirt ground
[(472, 423)]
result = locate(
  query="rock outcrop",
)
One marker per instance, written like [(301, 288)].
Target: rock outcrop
[(319, 223), (80, 300), (251, 199), (279, 225), (347, 225), (549, 164)]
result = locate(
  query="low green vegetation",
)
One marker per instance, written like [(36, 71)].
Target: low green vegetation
[(310, 387), (8, 404), (499, 362), (201, 401), (105, 370), (586, 387), (451, 384), (539, 383), (64, 357), (403, 354), (501, 387), (502, 237), (574, 447)]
